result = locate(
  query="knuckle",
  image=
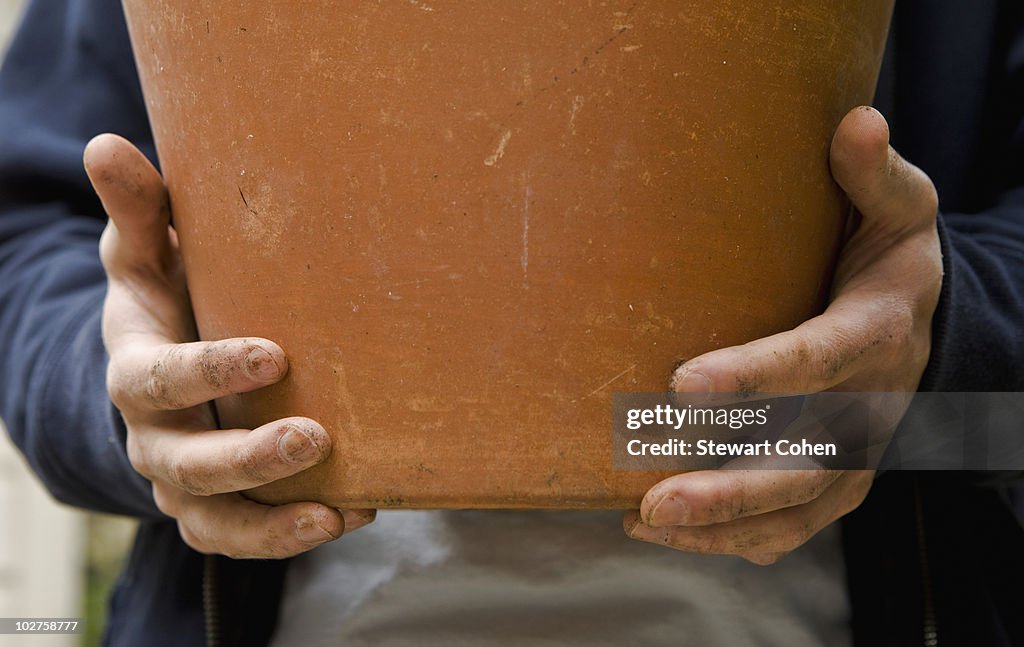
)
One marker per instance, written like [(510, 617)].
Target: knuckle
[(216, 364), (193, 541), (106, 243), (830, 356), (108, 249), (803, 349), (252, 465), (137, 455), (857, 494), (159, 386), (181, 472), (929, 199), (119, 386), (165, 503), (750, 379), (862, 488), (210, 542), (215, 544)]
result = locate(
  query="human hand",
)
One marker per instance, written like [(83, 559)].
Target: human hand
[(162, 382), (875, 336)]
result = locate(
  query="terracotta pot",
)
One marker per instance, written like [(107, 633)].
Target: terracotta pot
[(468, 223)]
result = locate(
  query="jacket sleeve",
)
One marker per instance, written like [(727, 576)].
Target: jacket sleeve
[(68, 76), (978, 330)]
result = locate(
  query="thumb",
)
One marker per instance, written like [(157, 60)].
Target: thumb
[(891, 194), (137, 238)]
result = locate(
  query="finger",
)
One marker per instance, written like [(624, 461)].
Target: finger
[(773, 533), (205, 463), (889, 192), (714, 497), (764, 559), (855, 332), (356, 519), (135, 199), (230, 524), (179, 376)]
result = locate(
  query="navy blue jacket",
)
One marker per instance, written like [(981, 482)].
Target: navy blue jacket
[(925, 553)]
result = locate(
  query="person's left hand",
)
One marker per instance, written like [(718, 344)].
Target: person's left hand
[(875, 336)]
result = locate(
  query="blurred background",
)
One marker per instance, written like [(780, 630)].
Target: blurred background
[(55, 561)]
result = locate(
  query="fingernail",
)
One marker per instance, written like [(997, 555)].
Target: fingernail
[(690, 382), (643, 532), (356, 519), (669, 512), (260, 365), (295, 446), (310, 532)]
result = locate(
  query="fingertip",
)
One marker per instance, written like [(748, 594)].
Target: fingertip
[(650, 501), (135, 199), (687, 380), (763, 559), (302, 442), (636, 529), (317, 524), (356, 519), (99, 150), (662, 505), (695, 498), (265, 362), (104, 156), (119, 171), (861, 142), (862, 129)]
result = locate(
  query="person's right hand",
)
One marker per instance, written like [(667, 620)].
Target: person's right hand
[(162, 382)]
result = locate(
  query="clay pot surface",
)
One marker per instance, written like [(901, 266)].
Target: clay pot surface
[(468, 223)]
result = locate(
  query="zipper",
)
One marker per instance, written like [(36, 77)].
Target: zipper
[(211, 608), (930, 626)]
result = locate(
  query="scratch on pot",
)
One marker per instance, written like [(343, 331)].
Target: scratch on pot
[(347, 401), (246, 202), (577, 103), (524, 259), (497, 155), (609, 382)]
